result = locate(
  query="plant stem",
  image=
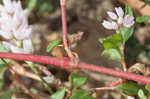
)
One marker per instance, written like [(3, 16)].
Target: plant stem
[(67, 63), (25, 88), (5, 62), (32, 66), (20, 70), (104, 88), (116, 82), (64, 29), (122, 58), (65, 37)]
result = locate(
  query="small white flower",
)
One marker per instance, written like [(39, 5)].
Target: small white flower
[(128, 21), (27, 45), (7, 3), (110, 25), (130, 97), (119, 11), (49, 79), (120, 19), (10, 6), (114, 25), (112, 15), (13, 48), (46, 72)]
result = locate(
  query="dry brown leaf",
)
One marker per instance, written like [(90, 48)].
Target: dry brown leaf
[(57, 52)]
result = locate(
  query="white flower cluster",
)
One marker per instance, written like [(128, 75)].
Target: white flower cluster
[(119, 20), (14, 27)]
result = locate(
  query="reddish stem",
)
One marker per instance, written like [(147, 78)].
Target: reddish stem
[(26, 89), (67, 63), (116, 82), (64, 28), (104, 88), (64, 22)]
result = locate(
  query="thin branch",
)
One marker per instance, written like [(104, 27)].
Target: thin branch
[(26, 90), (104, 88), (123, 58), (19, 69), (109, 88), (116, 82), (64, 29), (64, 21), (32, 66), (67, 63)]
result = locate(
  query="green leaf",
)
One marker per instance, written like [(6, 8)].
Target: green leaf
[(52, 45), (141, 94), (142, 19), (128, 10), (131, 88), (147, 2), (3, 49), (59, 94), (2, 70), (78, 80), (127, 33), (112, 46), (80, 94), (2, 66), (7, 94), (45, 7), (31, 5), (147, 87), (113, 53)]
